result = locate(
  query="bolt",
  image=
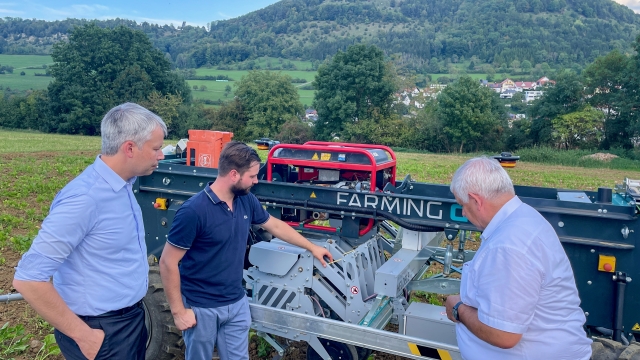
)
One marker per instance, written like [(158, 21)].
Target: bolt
[(586, 313), (593, 251), (614, 278), (307, 279), (589, 282), (200, 184), (600, 211), (560, 224), (604, 211), (628, 279)]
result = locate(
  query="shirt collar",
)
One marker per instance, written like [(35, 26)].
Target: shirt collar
[(114, 180), (499, 217), (212, 196)]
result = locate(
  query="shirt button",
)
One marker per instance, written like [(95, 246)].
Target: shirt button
[(229, 209)]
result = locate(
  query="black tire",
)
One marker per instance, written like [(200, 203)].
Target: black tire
[(164, 340), (337, 351)]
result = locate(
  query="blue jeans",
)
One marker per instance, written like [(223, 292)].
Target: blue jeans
[(225, 326)]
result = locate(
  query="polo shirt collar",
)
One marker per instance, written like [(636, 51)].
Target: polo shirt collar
[(212, 196), (114, 180), (500, 216)]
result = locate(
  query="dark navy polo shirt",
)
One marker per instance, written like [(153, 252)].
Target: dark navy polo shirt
[(216, 241)]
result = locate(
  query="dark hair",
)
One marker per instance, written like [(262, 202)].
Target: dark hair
[(236, 156)]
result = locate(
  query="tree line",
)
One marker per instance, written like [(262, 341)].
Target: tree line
[(425, 35), (355, 99)]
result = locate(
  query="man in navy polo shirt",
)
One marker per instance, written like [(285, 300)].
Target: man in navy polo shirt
[(208, 238)]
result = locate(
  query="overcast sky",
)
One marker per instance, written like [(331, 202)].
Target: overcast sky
[(158, 11)]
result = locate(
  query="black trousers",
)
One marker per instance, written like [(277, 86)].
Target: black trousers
[(125, 335)]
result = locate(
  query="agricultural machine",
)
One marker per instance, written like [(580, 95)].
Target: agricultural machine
[(387, 236)]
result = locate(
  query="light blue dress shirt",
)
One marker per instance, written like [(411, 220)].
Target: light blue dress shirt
[(92, 243)]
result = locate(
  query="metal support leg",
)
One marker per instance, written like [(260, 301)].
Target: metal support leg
[(279, 349), (621, 279)]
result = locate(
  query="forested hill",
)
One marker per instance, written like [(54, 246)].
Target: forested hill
[(558, 32)]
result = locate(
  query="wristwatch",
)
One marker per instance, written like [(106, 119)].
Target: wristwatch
[(454, 311)]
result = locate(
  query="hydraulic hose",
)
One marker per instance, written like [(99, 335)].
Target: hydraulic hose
[(362, 211)]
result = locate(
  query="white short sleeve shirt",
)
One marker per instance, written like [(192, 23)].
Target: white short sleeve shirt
[(521, 281)]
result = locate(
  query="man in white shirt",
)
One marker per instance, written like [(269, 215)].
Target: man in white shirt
[(518, 297)]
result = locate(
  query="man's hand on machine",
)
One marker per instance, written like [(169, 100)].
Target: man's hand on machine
[(322, 255)]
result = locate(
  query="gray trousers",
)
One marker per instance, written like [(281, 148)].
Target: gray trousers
[(225, 326)]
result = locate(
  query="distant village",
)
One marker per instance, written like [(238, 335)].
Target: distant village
[(416, 97)]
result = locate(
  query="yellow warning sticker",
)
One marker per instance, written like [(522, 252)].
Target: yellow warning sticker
[(315, 157), (636, 327), (325, 156), (313, 195)]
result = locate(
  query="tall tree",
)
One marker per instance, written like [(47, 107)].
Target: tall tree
[(100, 68), (606, 89), (564, 97), (579, 129), (631, 91), (269, 99), (471, 115), (354, 85)]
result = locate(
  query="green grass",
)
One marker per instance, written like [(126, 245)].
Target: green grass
[(28, 81), (215, 89), (23, 61), (27, 141)]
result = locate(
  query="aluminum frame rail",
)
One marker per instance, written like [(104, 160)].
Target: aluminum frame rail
[(297, 326)]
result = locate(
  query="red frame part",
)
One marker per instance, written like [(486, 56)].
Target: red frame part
[(322, 146)]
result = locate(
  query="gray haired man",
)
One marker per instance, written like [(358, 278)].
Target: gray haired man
[(518, 297), (93, 245)]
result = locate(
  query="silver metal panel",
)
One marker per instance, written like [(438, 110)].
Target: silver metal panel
[(396, 273), (574, 196), (328, 175), (430, 322), (416, 240), (274, 258)]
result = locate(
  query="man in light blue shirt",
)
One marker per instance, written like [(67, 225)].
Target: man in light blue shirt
[(93, 245)]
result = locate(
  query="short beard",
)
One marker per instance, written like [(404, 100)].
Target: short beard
[(238, 191)]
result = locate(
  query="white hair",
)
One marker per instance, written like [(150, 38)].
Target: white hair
[(128, 122), (481, 176)]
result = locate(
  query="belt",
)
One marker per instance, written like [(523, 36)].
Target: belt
[(113, 313)]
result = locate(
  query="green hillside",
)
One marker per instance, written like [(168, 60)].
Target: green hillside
[(420, 35)]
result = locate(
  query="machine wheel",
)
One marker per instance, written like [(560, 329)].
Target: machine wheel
[(607, 349), (164, 341), (336, 350)]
